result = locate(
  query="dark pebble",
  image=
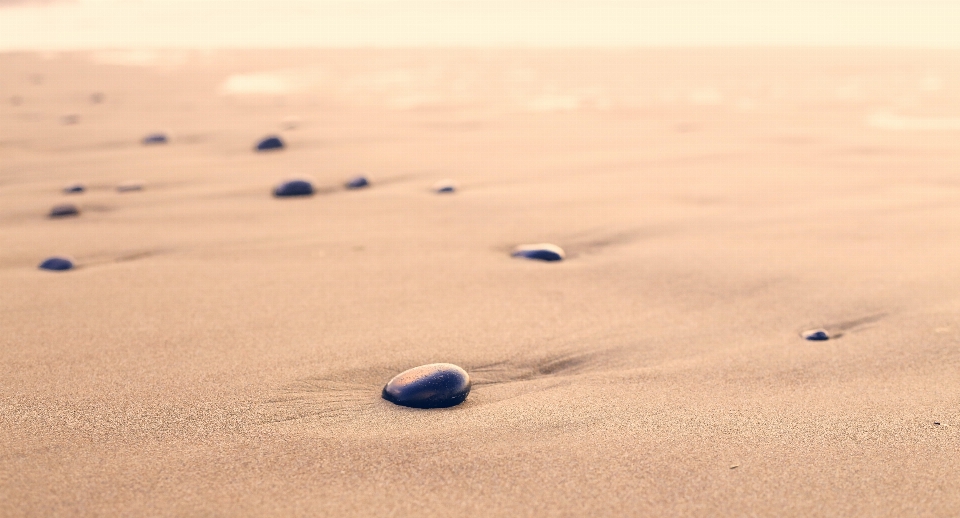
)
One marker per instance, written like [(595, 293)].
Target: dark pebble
[(541, 252), (817, 335), (444, 187), (154, 138), (57, 264), (270, 143), (64, 210), (357, 183), (437, 385), (74, 189), (293, 188)]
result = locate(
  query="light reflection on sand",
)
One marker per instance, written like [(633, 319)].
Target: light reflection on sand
[(88, 24), (886, 120)]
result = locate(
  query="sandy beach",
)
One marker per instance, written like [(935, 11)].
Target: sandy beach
[(221, 352)]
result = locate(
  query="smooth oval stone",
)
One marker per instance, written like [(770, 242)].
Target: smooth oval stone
[(437, 385), (74, 189), (130, 187), (294, 188), (816, 335), (64, 210), (541, 251), (270, 143), (357, 183), (57, 264), (444, 187), (154, 138)]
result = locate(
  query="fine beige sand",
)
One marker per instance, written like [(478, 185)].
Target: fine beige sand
[(221, 352)]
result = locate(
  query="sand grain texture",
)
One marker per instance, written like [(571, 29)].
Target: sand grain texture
[(219, 351)]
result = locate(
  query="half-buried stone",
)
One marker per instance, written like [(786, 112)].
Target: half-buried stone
[(270, 143), (541, 252), (76, 188), (293, 188), (437, 385), (816, 335), (154, 139), (64, 210), (56, 264), (358, 182)]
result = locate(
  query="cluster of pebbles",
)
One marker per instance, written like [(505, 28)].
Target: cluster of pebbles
[(436, 385)]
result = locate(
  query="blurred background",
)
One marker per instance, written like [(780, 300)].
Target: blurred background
[(85, 24)]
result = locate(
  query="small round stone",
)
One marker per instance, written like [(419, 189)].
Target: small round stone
[(74, 188), (444, 187), (358, 182), (154, 139), (437, 385), (270, 143), (541, 252), (293, 188), (64, 210), (57, 264), (130, 187), (816, 335)]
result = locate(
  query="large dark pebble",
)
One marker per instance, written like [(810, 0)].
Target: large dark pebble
[(154, 138), (816, 335), (74, 188), (541, 252), (270, 143), (64, 210), (293, 188), (57, 264), (437, 385)]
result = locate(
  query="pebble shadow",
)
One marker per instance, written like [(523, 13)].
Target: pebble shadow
[(838, 329), (355, 394)]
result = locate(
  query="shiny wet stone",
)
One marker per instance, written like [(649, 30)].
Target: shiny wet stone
[(540, 252), (293, 188), (358, 182), (270, 143), (816, 335), (74, 189), (437, 385), (57, 264), (154, 138), (64, 210)]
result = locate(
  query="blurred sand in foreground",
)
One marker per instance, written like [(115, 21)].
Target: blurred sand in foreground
[(222, 352)]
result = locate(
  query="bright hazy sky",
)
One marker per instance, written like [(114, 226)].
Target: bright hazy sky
[(96, 24)]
